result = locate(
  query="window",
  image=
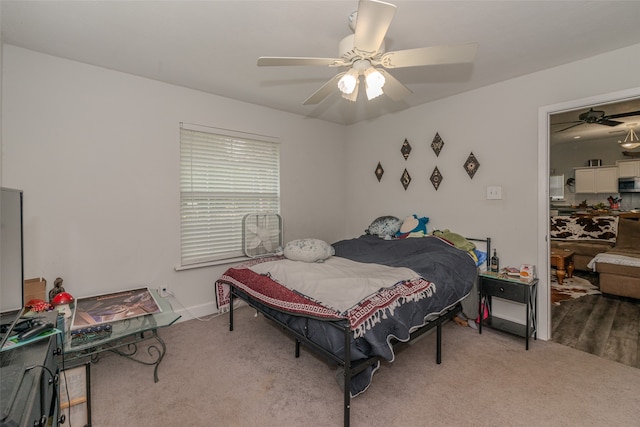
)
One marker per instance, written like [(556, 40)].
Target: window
[(223, 176)]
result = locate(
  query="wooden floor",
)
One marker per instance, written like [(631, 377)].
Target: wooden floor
[(606, 326)]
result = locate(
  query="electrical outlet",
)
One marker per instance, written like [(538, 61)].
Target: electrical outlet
[(163, 291)]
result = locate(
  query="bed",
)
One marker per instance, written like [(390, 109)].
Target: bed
[(405, 287)]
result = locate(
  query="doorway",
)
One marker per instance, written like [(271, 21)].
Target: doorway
[(544, 143)]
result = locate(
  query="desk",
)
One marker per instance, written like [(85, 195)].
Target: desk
[(29, 384), (125, 337)]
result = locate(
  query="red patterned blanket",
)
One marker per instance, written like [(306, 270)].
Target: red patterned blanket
[(362, 316)]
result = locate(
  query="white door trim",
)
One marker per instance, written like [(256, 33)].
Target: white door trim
[(544, 302)]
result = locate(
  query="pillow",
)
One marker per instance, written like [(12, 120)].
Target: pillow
[(457, 240), (308, 250), (628, 234), (384, 226)]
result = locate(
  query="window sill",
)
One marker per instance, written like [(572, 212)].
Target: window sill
[(212, 263)]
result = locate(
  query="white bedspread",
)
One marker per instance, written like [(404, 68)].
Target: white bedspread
[(614, 259), (338, 282)]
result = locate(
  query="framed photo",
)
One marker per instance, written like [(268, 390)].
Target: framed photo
[(107, 308), (75, 395)]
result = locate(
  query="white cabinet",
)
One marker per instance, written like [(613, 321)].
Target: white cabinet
[(597, 179), (628, 168)]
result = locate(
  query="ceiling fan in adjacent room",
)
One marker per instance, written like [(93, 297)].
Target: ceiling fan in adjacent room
[(363, 54), (597, 117)]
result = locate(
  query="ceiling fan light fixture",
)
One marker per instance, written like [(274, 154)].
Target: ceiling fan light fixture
[(375, 81), (354, 93), (374, 78), (373, 92), (349, 82)]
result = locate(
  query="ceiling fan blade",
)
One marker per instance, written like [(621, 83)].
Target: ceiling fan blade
[(629, 114), (433, 55), (393, 88), (373, 20), (324, 91), (572, 126), (267, 61), (607, 122), (567, 123)]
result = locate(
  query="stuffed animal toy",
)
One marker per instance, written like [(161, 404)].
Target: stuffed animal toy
[(413, 226)]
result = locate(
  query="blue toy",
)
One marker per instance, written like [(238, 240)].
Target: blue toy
[(413, 225)]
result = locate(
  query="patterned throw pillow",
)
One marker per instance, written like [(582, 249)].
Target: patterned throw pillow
[(385, 227), (602, 228), (308, 250)]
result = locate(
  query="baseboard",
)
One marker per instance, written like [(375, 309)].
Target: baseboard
[(199, 311)]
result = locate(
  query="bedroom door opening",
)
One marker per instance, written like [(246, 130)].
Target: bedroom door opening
[(544, 174)]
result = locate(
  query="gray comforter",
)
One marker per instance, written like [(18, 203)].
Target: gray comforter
[(452, 271)]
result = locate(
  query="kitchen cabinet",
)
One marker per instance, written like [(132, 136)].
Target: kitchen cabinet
[(628, 168), (597, 179)]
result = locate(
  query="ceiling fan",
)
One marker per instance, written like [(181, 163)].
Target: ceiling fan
[(363, 54), (597, 117)]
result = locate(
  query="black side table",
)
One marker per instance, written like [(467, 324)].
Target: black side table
[(512, 289)]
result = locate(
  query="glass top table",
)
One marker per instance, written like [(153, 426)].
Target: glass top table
[(123, 337)]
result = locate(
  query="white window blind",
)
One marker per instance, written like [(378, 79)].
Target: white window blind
[(223, 176)]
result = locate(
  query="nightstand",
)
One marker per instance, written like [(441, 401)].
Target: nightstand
[(512, 289)]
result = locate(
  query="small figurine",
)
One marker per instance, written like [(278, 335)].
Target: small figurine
[(57, 288)]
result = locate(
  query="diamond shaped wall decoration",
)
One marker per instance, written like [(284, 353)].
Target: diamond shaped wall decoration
[(471, 165), (406, 149), (436, 178), (379, 171), (437, 144), (405, 179)]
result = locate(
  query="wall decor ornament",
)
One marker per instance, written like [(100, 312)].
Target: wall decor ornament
[(379, 171), (437, 144), (471, 165), (436, 178), (405, 179), (406, 149)]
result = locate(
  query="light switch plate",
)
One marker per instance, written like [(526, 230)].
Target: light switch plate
[(494, 193)]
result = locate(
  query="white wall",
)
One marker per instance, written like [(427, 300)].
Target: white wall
[(75, 142), (97, 155), (499, 124), (565, 157)]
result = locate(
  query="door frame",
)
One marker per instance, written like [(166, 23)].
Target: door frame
[(544, 113)]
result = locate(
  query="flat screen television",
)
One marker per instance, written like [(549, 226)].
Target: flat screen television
[(11, 255)]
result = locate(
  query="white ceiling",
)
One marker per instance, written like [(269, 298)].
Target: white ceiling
[(213, 46)]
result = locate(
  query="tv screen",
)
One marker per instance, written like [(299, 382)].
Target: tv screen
[(11, 277)]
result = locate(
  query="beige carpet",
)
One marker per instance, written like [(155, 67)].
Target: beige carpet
[(250, 377)]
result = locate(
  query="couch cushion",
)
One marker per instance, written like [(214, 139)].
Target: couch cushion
[(628, 235), (587, 248)]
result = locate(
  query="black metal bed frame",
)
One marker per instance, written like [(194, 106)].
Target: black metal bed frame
[(350, 368)]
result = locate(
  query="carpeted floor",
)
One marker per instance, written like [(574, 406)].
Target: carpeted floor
[(250, 377)]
